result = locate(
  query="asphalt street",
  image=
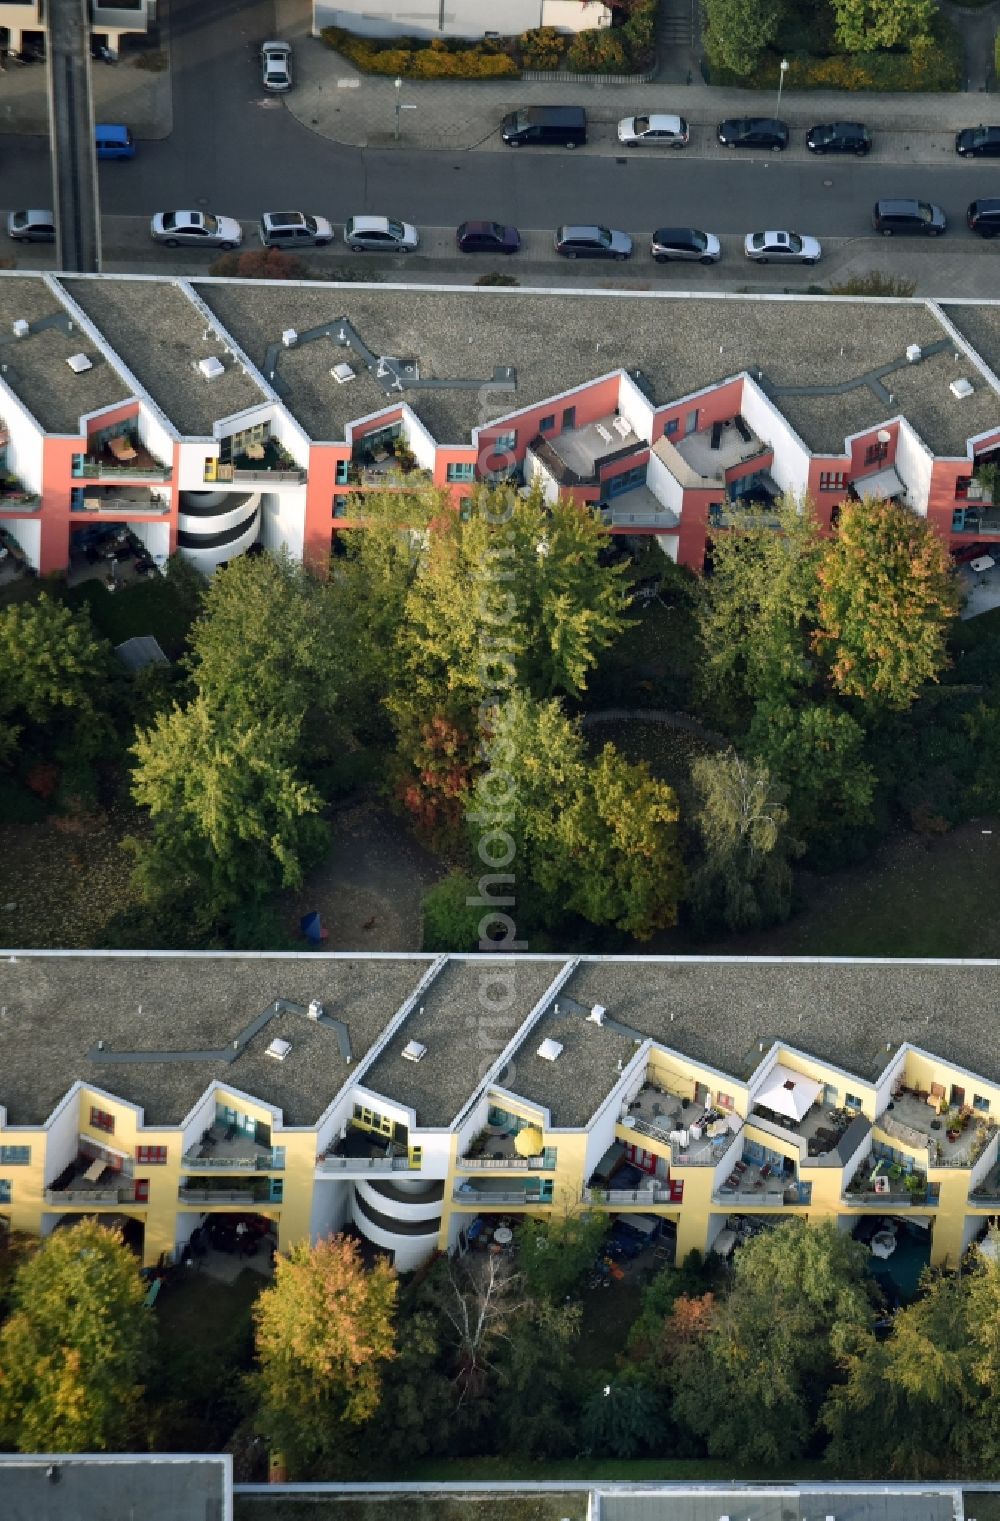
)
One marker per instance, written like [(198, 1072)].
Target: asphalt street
[(236, 151)]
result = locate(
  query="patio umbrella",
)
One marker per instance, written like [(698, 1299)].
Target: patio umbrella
[(528, 1142)]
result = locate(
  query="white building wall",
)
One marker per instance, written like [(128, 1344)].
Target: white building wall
[(28, 533), (191, 457), (156, 537), (883, 1088), (914, 465), (665, 487), (458, 18), (25, 439), (420, 441), (330, 1208), (283, 521), (155, 435), (670, 544), (791, 457), (534, 471), (286, 431), (208, 560), (637, 410), (62, 1137)]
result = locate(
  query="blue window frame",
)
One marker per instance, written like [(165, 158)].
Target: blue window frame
[(547, 424), (340, 506), (20, 1156), (4, 1190), (462, 472), (343, 465), (505, 443), (672, 427)]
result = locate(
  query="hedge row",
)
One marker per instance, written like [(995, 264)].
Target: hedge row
[(598, 50), (412, 58), (931, 64)]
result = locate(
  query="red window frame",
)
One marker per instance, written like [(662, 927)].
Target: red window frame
[(962, 484), (141, 1191), (101, 1120), (151, 1156)]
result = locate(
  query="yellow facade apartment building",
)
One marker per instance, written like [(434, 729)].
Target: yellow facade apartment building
[(423, 1099)]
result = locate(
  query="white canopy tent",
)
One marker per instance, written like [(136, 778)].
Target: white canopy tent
[(788, 1093)]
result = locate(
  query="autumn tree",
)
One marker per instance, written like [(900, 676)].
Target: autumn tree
[(739, 31), (74, 1352), (887, 598), (325, 1336), (867, 26), (56, 676), (742, 878), (231, 817), (756, 611)]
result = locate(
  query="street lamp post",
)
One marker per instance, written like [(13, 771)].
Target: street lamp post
[(781, 80), (399, 86)]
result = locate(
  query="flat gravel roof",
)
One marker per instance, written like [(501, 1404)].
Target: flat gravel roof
[(35, 367)]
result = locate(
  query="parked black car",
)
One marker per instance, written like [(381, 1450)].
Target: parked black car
[(840, 137), (984, 217), (978, 142), (891, 217), (753, 132), (487, 237), (592, 242)]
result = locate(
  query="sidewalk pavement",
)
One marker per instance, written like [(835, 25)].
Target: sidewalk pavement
[(334, 100), (965, 270)]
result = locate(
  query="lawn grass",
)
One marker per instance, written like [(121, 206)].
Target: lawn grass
[(205, 1335), (146, 607), (548, 1507), (982, 1505), (608, 1316)]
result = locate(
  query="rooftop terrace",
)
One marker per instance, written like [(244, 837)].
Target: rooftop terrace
[(35, 367)]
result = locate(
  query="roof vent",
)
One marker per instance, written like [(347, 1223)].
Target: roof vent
[(961, 388), (278, 1048), (342, 373), (21, 328), (413, 1051), (549, 1050), (289, 337), (914, 353), (211, 367), (315, 1009), (597, 1014), (79, 363)]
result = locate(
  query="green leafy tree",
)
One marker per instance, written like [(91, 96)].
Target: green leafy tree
[(739, 31), (621, 1419), (771, 1347), (231, 818), (756, 611), (75, 1349), (598, 839), (554, 1254), (830, 798), (867, 26), (517, 576), (743, 876), (265, 647), (414, 1414), (450, 924), (887, 599), (905, 1404), (533, 1407), (325, 1336), (56, 676)]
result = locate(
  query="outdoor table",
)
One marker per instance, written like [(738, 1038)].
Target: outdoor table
[(503, 1236), (982, 563), (94, 1170)]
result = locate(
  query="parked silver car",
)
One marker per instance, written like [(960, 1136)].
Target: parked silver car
[(294, 229), (662, 131), (782, 247), (195, 229), (380, 234), (276, 65), (31, 226)]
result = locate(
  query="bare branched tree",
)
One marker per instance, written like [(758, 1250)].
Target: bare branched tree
[(481, 1297)]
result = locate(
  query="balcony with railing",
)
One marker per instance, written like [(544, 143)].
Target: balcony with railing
[(952, 1134), (648, 1194), (15, 494), (986, 1193), (495, 1150), (576, 456), (211, 1196), (762, 1179), (118, 500), (359, 1151), (262, 462), (490, 1192), (880, 1183), (91, 1181), (692, 1134), (122, 457)]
